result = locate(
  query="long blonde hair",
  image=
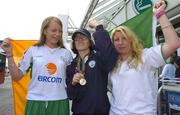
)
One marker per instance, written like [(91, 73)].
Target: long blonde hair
[(136, 47), (44, 26)]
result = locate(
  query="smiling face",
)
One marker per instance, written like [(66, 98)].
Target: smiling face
[(53, 34), (81, 42), (121, 43)]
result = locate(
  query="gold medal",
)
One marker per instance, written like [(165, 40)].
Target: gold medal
[(82, 81)]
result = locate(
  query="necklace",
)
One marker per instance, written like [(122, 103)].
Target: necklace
[(80, 65), (81, 68)]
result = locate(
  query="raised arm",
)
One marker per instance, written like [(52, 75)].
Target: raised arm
[(101, 37), (172, 41), (13, 69), (104, 45)]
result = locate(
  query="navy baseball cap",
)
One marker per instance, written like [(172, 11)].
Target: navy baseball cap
[(82, 31)]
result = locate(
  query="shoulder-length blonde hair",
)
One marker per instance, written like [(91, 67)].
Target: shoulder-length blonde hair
[(136, 47), (44, 26)]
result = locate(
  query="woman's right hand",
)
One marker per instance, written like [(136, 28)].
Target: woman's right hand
[(76, 78), (7, 47)]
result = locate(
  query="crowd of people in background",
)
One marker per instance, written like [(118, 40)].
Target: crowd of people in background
[(172, 69)]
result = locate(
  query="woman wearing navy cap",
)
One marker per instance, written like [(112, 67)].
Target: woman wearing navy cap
[(87, 75)]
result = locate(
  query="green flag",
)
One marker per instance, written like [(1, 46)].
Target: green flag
[(142, 26)]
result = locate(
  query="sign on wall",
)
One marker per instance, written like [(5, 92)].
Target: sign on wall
[(141, 5)]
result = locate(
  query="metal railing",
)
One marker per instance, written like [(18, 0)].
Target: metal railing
[(172, 85)]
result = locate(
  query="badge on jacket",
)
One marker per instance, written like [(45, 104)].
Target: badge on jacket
[(92, 63)]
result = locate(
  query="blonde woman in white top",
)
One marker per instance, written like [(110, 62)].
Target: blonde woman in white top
[(134, 85)]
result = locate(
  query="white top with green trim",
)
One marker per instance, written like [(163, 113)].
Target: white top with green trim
[(48, 72), (134, 91)]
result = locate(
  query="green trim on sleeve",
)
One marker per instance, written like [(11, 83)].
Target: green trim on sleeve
[(162, 53), (30, 69), (31, 65)]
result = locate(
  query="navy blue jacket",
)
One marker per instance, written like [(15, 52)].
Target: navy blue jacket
[(92, 98)]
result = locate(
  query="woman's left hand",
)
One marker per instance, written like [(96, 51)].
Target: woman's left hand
[(159, 6), (92, 23)]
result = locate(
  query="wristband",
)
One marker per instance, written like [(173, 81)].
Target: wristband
[(160, 13), (167, 26)]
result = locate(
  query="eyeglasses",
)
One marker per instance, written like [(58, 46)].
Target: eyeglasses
[(79, 37)]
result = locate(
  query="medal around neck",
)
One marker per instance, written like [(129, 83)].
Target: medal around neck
[(82, 81)]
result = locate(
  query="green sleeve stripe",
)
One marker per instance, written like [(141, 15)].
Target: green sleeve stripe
[(162, 53)]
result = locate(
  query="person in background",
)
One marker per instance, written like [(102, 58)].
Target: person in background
[(2, 67), (87, 76), (168, 73), (169, 69), (134, 84), (177, 65), (47, 61)]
